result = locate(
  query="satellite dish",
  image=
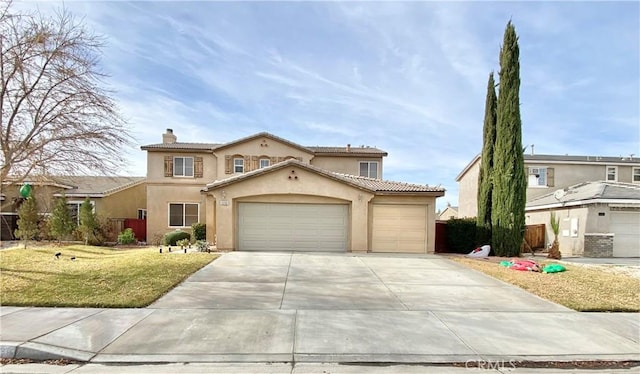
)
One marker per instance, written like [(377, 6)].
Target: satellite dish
[(559, 194)]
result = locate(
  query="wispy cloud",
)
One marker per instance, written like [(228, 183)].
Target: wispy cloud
[(407, 77)]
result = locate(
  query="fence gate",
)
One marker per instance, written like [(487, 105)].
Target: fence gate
[(535, 236), (139, 227)]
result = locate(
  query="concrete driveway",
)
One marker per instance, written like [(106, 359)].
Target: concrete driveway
[(283, 307)]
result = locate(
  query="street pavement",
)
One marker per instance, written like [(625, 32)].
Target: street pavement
[(295, 313)]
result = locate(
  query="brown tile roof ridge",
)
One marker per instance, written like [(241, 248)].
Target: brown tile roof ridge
[(391, 186)]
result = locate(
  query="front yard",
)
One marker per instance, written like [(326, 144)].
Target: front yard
[(97, 277), (585, 289)]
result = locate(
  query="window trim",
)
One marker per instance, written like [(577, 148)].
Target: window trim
[(546, 176), (79, 204), (377, 163), (235, 166), (633, 174), (184, 167), (615, 173), (184, 204), (143, 215), (260, 163)]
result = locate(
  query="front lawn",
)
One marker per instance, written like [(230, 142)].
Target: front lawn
[(585, 289), (98, 277)]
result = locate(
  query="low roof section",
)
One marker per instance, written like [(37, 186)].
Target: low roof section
[(598, 192)]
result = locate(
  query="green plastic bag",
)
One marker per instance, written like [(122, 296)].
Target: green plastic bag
[(553, 268), (506, 264)]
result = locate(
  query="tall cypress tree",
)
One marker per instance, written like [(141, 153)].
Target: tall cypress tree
[(28, 220), (509, 180), (485, 183)]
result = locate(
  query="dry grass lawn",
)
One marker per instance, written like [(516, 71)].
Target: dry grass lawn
[(98, 277), (584, 289)]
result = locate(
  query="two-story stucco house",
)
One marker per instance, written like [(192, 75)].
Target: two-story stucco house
[(264, 192), (596, 198)]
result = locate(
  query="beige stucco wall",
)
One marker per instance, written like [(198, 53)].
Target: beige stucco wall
[(468, 192), (158, 198), (345, 165), (277, 187), (261, 146), (429, 201), (123, 204), (569, 245), (155, 167)]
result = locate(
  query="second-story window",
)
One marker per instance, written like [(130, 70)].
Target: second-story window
[(238, 165), (264, 163), (612, 173), (537, 177), (369, 169), (183, 166)]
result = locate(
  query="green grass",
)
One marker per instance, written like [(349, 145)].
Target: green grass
[(99, 277), (585, 289)]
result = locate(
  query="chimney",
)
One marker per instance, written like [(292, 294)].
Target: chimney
[(348, 147), (168, 137)]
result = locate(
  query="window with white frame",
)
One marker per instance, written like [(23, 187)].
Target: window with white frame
[(264, 163), (635, 175), (369, 169), (142, 214), (238, 165), (537, 177), (183, 214), (183, 166), (74, 210), (612, 173)]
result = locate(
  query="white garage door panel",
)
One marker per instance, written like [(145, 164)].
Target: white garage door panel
[(399, 228), (626, 227), (292, 227)]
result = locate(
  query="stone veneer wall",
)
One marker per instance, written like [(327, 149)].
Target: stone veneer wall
[(598, 245)]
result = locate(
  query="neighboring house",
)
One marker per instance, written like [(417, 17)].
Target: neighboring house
[(597, 219), (554, 175), (115, 198), (448, 212), (264, 192)]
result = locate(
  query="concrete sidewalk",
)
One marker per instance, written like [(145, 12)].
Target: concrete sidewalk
[(325, 308)]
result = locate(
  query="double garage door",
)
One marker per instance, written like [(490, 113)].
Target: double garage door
[(292, 227), (626, 240)]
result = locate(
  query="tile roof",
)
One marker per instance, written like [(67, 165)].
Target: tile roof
[(96, 185), (582, 159), (588, 192), (369, 184), (353, 151), (343, 150), (379, 185), (182, 146)]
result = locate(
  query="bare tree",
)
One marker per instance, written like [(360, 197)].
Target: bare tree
[(57, 117)]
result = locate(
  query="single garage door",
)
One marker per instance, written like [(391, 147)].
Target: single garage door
[(292, 227), (399, 228), (625, 226)]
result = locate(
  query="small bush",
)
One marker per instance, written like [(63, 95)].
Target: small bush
[(461, 235), (183, 243), (202, 246), (126, 237), (171, 238), (199, 231)]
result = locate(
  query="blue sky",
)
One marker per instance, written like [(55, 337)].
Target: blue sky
[(407, 77)]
